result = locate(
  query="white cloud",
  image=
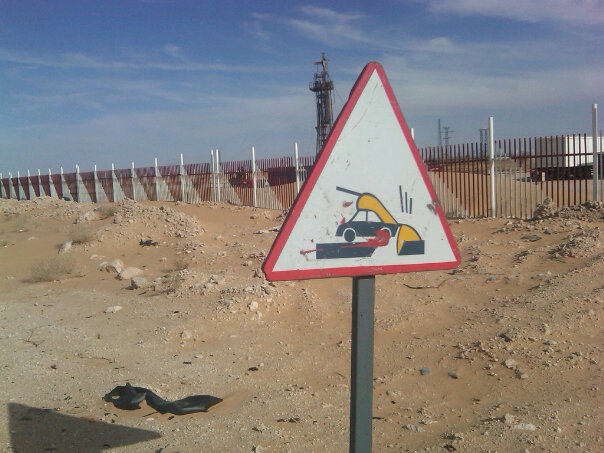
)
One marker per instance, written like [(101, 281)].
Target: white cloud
[(576, 12), (78, 60), (231, 124), (431, 89), (324, 25)]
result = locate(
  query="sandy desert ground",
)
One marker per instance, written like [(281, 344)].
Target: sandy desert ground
[(503, 354)]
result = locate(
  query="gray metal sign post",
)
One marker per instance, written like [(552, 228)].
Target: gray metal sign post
[(361, 367)]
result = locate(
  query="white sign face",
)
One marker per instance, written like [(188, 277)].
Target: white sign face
[(368, 206)]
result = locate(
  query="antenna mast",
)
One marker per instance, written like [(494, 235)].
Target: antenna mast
[(322, 86)]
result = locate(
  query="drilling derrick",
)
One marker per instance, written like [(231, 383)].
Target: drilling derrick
[(322, 86)]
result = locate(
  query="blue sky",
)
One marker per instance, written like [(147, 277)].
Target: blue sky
[(124, 80)]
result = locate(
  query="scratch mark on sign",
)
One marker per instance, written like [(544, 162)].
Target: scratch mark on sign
[(432, 207)]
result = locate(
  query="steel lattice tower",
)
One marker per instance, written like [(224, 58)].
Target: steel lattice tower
[(322, 86)]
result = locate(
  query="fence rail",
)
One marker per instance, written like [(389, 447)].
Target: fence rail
[(524, 172)]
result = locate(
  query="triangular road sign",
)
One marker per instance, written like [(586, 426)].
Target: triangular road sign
[(368, 206)]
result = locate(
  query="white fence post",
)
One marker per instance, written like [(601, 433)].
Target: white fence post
[(11, 188), (297, 163), (254, 181), (30, 187), (156, 173), (133, 184), (596, 152), (40, 189), (182, 178), (77, 181), (212, 179), (52, 191), (21, 194), (96, 186), (492, 168), (113, 182), (218, 175)]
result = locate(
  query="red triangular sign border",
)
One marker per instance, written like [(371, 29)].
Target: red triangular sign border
[(300, 202)]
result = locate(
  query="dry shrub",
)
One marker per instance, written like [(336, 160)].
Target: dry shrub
[(107, 210), (81, 234), (172, 283), (182, 262), (52, 269)]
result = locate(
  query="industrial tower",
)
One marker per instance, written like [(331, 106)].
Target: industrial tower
[(322, 86)]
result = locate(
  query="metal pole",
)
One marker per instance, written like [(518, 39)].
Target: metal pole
[(595, 145), (254, 182), (492, 166), (361, 366), (96, 186), (77, 182), (297, 167), (155, 174), (40, 189), (218, 175), (132, 178), (213, 179), (113, 182), (30, 186), (11, 188), (182, 178)]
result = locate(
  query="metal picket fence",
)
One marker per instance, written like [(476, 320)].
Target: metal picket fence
[(506, 178)]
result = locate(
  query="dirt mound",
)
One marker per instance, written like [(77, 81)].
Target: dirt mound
[(590, 211), (42, 207), (580, 244), (174, 223)]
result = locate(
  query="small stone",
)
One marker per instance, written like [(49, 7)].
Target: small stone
[(509, 419), (424, 370), (453, 374), (510, 363), (65, 247), (411, 427), (113, 309), (115, 265), (138, 282), (531, 237), (129, 272), (546, 329), (86, 217), (525, 426), (493, 278), (186, 335), (253, 305)]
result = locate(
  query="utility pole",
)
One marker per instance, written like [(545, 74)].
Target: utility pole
[(440, 137), (446, 137), (484, 136)]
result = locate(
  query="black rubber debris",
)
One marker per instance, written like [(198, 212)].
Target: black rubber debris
[(128, 397)]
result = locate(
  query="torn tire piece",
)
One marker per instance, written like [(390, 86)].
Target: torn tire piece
[(128, 397)]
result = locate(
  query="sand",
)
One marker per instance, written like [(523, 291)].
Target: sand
[(510, 343)]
